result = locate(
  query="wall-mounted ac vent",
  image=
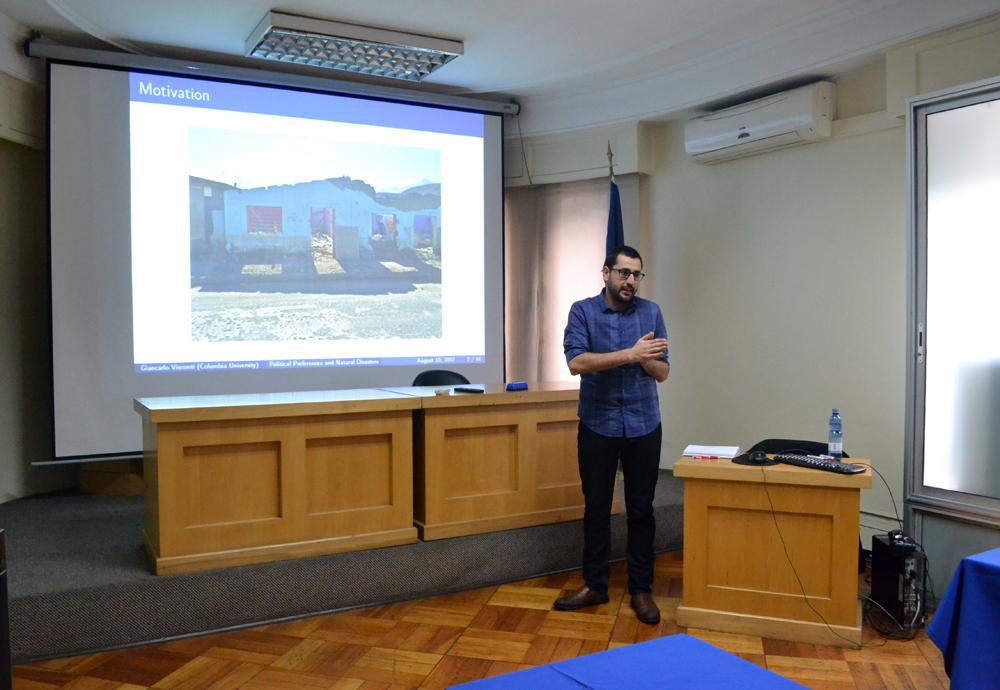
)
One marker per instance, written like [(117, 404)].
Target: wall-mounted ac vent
[(784, 119)]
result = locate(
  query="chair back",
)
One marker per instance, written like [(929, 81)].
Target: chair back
[(439, 377)]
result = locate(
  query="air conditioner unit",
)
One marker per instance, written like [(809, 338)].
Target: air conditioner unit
[(784, 119)]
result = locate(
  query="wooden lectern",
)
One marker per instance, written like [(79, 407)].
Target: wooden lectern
[(771, 551)]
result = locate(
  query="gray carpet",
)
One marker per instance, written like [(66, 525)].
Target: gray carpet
[(79, 582)]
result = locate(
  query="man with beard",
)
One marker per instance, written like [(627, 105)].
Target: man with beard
[(617, 343)]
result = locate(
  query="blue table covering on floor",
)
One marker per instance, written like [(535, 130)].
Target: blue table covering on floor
[(966, 626), (676, 661)]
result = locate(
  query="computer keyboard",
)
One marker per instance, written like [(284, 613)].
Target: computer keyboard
[(819, 463)]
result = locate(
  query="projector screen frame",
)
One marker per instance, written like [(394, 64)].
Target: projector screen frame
[(238, 75), (52, 52)]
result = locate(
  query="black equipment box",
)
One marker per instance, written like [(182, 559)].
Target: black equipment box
[(898, 565)]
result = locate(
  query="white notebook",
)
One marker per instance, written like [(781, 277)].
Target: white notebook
[(712, 451)]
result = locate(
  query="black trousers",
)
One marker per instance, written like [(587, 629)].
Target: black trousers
[(598, 457)]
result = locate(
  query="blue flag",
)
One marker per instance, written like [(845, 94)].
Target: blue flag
[(616, 229)]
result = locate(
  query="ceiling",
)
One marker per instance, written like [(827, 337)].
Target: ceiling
[(572, 64)]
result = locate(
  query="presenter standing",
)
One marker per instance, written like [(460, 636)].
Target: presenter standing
[(617, 343)]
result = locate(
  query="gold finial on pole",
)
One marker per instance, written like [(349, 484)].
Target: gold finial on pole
[(611, 165)]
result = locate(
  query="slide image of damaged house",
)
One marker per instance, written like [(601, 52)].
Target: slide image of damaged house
[(322, 259)]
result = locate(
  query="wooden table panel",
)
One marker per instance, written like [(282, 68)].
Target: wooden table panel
[(367, 460), (231, 482), (478, 461), (556, 443), (359, 474)]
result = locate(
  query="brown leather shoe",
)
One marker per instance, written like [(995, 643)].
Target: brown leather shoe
[(584, 596), (645, 608)]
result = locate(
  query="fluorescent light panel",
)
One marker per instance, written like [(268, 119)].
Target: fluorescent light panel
[(349, 47)]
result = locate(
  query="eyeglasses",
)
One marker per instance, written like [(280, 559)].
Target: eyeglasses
[(624, 273)]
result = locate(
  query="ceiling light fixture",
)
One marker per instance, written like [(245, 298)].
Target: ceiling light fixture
[(349, 47)]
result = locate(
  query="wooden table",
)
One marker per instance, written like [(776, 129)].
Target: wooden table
[(240, 479), (739, 524), (497, 460)]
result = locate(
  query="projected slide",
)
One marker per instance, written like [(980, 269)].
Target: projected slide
[(274, 229)]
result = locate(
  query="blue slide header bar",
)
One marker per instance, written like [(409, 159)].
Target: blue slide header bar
[(165, 367), (219, 95)]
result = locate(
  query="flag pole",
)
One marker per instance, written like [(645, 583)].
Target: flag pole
[(611, 166)]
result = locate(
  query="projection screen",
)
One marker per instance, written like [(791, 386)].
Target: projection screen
[(211, 236)]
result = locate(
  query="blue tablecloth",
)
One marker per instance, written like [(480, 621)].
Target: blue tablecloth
[(676, 661), (966, 625)]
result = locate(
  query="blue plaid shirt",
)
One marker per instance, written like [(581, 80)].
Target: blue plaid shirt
[(621, 401)]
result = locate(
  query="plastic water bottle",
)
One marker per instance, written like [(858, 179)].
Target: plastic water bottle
[(835, 438)]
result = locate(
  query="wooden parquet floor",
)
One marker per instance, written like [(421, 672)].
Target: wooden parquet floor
[(445, 640)]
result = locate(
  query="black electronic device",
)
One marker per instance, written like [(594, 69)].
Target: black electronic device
[(820, 463), (467, 389), (898, 566), (757, 457)]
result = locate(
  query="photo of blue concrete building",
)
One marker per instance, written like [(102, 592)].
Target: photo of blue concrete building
[(304, 246)]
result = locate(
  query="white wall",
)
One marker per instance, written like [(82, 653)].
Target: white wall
[(782, 278), (25, 408), (25, 388)]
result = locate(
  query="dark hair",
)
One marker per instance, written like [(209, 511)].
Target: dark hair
[(612, 258)]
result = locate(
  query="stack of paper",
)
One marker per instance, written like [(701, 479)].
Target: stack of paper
[(712, 451)]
